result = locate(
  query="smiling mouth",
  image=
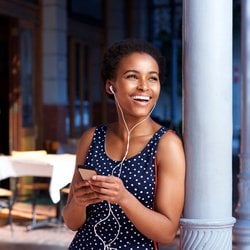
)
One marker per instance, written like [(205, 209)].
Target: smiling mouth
[(141, 98)]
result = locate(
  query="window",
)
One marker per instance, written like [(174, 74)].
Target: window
[(78, 117)]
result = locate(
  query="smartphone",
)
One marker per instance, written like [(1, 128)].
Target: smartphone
[(86, 172)]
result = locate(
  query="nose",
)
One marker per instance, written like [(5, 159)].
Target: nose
[(142, 85)]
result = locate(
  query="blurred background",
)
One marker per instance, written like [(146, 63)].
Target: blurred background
[(50, 52)]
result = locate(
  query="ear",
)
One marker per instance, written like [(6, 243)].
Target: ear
[(107, 87)]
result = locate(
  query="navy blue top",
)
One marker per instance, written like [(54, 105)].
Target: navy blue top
[(139, 177)]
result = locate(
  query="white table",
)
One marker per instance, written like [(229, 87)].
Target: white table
[(59, 167)]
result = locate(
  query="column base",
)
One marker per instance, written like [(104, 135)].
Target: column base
[(241, 234), (206, 234)]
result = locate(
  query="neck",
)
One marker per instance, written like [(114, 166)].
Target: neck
[(142, 128)]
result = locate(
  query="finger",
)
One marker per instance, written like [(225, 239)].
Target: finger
[(107, 198), (93, 201), (106, 181), (83, 190), (84, 194), (81, 184), (84, 198), (87, 201), (100, 191), (100, 184), (103, 178)]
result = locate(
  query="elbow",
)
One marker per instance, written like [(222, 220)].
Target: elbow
[(70, 225), (167, 236), (167, 239), (69, 222)]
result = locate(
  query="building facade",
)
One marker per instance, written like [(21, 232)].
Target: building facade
[(50, 89), (50, 56)]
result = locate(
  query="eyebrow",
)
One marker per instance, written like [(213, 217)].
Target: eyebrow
[(135, 71)]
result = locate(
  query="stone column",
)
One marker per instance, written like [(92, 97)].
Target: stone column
[(54, 37), (241, 231), (207, 42)]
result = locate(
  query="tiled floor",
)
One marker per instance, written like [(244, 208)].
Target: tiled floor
[(50, 238), (54, 237)]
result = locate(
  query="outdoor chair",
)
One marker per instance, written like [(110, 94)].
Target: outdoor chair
[(63, 199), (6, 201), (32, 188)]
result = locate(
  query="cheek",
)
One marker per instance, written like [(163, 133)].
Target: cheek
[(157, 89)]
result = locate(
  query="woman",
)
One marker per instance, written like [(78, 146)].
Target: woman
[(135, 199)]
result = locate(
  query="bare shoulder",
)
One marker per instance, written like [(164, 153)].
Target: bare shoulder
[(87, 135), (170, 140), (84, 144), (170, 149)]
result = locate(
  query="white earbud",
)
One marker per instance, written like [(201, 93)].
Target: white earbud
[(111, 89)]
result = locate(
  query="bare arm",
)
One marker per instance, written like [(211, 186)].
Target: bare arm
[(81, 194), (169, 200)]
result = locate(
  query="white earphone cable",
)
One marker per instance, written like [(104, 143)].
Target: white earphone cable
[(107, 246)]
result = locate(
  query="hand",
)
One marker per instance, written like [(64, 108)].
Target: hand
[(83, 194), (109, 188)]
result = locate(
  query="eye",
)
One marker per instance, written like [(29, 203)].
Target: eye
[(154, 78), (131, 76)]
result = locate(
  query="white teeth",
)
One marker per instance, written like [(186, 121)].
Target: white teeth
[(139, 97)]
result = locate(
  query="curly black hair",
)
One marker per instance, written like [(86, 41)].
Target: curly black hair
[(120, 49)]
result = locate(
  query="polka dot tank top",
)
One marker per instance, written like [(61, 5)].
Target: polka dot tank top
[(107, 227)]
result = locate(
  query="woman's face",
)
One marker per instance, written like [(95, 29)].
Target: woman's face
[(137, 84)]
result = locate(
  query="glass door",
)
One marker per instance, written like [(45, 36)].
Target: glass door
[(22, 87)]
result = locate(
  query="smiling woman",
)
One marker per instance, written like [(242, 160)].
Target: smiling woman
[(140, 164)]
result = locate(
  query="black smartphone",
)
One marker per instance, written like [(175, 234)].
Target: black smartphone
[(86, 172)]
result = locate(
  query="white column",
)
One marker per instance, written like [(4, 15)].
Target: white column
[(242, 227), (207, 38)]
